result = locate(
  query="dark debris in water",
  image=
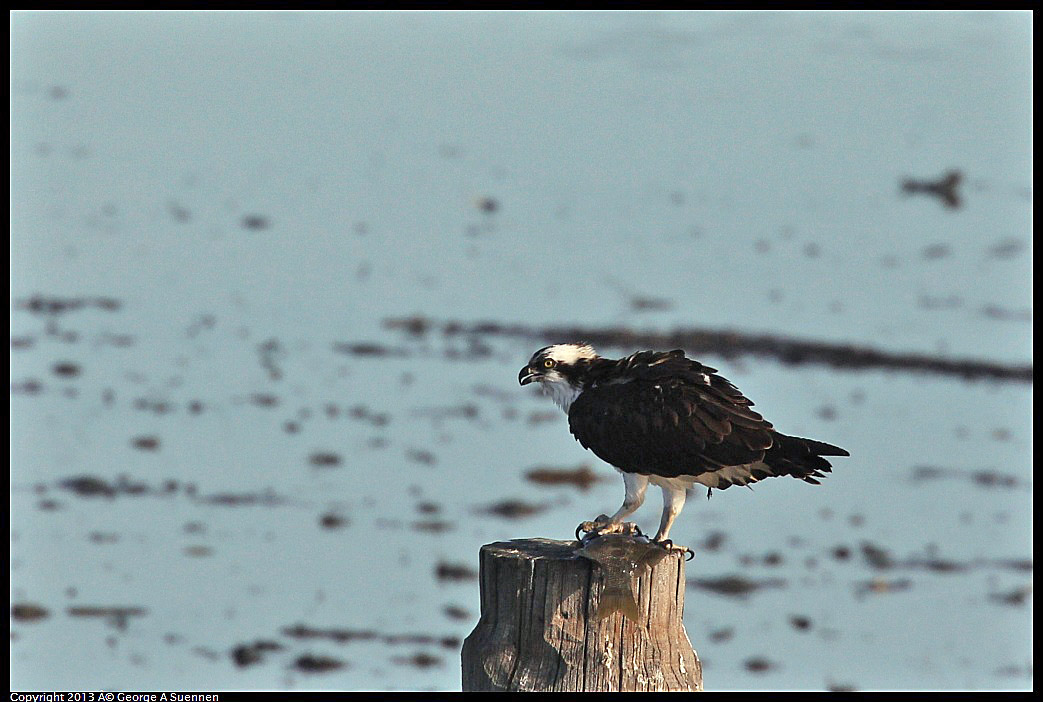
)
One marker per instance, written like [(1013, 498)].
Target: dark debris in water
[(28, 612), (419, 660), (1007, 248), (876, 556), (30, 386), (880, 558), (325, 459), (415, 325), (66, 369), (103, 537), (512, 509), (145, 443), (331, 520), (733, 344), (368, 349), (302, 631), (1015, 671), (266, 498), (1022, 565), (759, 664), (271, 354), (365, 414), (116, 616), (310, 663), (53, 306), (345, 636), (650, 304), (92, 486), (428, 507), (944, 188), (487, 204), (264, 399), (255, 222), (466, 411), (933, 252), (457, 613), (1005, 314), (251, 653), (735, 585), (147, 404), (713, 542), (879, 586), (722, 635), (1013, 598), (581, 477), (771, 559), (421, 456), (432, 526), (982, 478), (800, 622), (454, 572), (245, 655)]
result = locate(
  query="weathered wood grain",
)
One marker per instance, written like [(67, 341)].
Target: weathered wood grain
[(537, 630)]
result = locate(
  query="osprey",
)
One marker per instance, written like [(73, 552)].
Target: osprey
[(662, 418)]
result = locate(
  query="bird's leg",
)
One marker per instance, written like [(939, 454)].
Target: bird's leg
[(635, 494), (673, 501)]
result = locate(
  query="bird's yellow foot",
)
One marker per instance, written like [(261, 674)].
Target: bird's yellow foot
[(603, 525), (671, 547)]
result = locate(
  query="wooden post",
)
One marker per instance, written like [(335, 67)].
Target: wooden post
[(538, 632)]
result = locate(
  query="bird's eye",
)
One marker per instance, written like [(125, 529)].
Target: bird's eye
[(548, 363)]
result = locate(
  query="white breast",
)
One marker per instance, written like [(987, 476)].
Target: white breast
[(562, 392)]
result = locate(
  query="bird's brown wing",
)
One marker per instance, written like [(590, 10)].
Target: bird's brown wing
[(677, 418)]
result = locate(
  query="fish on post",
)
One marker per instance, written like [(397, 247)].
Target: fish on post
[(620, 558)]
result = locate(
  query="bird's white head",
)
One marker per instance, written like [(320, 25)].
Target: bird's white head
[(559, 369)]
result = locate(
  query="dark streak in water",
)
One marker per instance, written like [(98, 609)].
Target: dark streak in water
[(512, 509), (28, 612), (735, 585), (455, 572), (944, 188), (343, 636), (1014, 598), (248, 654), (309, 663), (881, 586), (268, 498), (1004, 314), (419, 660), (581, 477), (366, 349), (52, 306), (981, 478), (117, 616), (732, 344)]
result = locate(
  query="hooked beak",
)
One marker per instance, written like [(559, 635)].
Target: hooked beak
[(526, 376)]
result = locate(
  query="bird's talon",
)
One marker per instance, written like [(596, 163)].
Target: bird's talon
[(603, 526), (670, 546)]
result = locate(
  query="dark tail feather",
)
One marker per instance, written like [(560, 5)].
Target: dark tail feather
[(821, 448), (801, 458)]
